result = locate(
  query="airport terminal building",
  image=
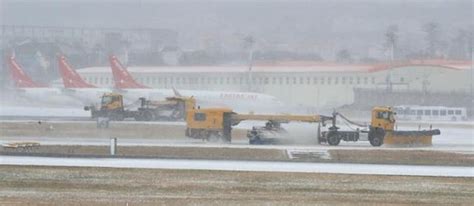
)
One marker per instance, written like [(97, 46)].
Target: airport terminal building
[(316, 85)]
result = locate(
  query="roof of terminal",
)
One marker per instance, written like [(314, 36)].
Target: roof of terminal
[(287, 67)]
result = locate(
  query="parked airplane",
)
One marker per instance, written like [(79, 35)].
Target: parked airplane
[(34, 92), (76, 87), (239, 101)]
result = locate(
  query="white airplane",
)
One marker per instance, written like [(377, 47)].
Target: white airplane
[(34, 92), (238, 101), (76, 87)]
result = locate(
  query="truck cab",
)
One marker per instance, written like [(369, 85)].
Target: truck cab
[(111, 102), (384, 118)]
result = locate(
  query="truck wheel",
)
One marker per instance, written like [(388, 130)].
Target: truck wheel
[(376, 136), (148, 116), (333, 139), (376, 141), (116, 117), (255, 140)]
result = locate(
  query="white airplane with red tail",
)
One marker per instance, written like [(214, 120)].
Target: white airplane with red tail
[(238, 101), (34, 92)]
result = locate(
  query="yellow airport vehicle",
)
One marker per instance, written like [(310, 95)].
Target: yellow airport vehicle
[(216, 124), (381, 131), (170, 109)]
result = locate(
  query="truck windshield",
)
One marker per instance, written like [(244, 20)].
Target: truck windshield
[(106, 100), (386, 115)]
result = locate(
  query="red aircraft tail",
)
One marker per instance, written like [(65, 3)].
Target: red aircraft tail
[(123, 79), (71, 79), (22, 80)]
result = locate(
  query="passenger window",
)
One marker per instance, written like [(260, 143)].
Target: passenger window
[(419, 112), (450, 112), (443, 112), (435, 112), (458, 112)]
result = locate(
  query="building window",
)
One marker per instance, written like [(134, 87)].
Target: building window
[(427, 112), (241, 80), (343, 80), (301, 80), (329, 80), (366, 80), (288, 80), (265, 80), (273, 80), (178, 80), (402, 79), (443, 112), (322, 80), (280, 80), (350, 80), (294, 80), (308, 80), (221, 80), (373, 80), (358, 80), (336, 80), (315, 80), (228, 80)]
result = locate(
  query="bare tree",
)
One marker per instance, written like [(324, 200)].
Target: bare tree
[(344, 55), (432, 38), (391, 40)]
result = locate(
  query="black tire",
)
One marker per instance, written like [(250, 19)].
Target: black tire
[(376, 141), (376, 136), (255, 140), (148, 116), (333, 139), (116, 117)]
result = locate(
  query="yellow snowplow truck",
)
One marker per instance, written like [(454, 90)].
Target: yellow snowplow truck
[(170, 109), (381, 131), (216, 124)]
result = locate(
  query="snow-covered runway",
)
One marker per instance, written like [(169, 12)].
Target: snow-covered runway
[(258, 166)]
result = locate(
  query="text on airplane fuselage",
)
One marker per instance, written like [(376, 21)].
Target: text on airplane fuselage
[(238, 96)]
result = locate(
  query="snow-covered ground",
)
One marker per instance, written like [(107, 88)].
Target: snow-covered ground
[(259, 166), (18, 111)]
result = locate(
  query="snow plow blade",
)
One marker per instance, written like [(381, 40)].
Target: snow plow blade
[(409, 138)]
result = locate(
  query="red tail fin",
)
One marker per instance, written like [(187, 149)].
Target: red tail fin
[(71, 78), (22, 80), (123, 79)]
